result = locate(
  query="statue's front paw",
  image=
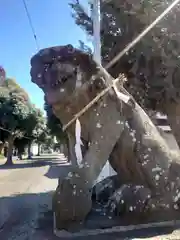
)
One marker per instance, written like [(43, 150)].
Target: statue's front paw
[(71, 201)]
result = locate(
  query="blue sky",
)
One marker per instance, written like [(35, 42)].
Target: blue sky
[(54, 26)]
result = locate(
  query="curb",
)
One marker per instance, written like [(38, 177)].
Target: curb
[(116, 229)]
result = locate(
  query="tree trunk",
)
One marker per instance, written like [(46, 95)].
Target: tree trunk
[(39, 149), (10, 149), (20, 156), (1, 147), (29, 151)]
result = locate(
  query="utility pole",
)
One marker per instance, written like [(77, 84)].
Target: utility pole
[(96, 18)]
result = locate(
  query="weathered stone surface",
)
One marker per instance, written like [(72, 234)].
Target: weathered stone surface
[(129, 198), (71, 201), (112, 130)]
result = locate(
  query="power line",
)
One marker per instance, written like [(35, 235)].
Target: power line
[(31, 24)]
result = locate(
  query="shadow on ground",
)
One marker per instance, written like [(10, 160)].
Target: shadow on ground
[(21, 214), (34, 163), (55, 172), (29, 216)]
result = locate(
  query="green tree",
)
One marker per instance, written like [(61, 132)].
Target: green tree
[(34, 128), (152, 65), (54, 124), (42, 139), (17, 114)]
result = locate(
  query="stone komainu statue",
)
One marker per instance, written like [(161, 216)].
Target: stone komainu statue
[(148, 172)]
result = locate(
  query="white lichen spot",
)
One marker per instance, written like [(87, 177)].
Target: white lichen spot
[(157, 177), (177, 197), (113, 206), (96, 143), (134, 139), (132, 134), (122, 201), (118, 122), (39, 75), (130, 208), (98, 125), (87, 164), (102, 137), (70, 174), (127, 124), (77, 175), (81, 165), (74, 192), (62, 90), (176, 207), (105, 105), (145, 156), (97, 114), (138, 187), (144, 163), (148, 196), (149, 149), (59, 202), (156, 169)]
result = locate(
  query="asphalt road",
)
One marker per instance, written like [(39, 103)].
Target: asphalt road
[(25, 203), (25, 192)]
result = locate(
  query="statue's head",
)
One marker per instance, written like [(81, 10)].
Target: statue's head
[(60, 70)]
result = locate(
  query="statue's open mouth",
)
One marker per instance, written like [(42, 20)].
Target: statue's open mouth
[(53, 75), (52, 67), (62, 67)]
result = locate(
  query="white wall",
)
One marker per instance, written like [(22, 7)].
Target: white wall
[(34, 149)]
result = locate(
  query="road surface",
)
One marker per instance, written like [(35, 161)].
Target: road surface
[(25, 192), (25, 202)]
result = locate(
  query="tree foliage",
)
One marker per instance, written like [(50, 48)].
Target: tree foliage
[(21, 119), (54, 124), (152, 65)]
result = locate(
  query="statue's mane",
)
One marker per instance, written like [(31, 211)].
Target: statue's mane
[(65, 54)]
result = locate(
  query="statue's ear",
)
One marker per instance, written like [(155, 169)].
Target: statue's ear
[(70, 48)]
